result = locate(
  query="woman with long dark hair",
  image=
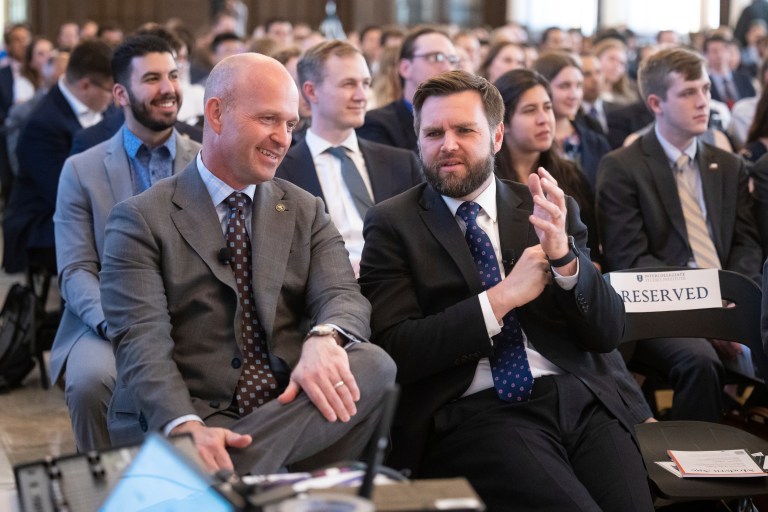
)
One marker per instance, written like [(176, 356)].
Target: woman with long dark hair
[(529, 135)]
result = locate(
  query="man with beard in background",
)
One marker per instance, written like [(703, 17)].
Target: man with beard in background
[(146, 149)]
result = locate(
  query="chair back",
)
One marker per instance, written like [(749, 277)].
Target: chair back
[(739, 322)]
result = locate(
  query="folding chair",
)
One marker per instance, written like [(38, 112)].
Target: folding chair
[(740, 323)]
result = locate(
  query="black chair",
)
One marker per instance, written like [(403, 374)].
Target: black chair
[(740, 322)]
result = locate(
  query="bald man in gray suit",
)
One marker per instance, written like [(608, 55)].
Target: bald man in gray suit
[(177, 314)]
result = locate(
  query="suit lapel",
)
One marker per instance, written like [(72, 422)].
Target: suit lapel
[(664, 180), (514, 225), (712, 186), (381, 178), (118, 169), (198, 223), (300, 169), (185, 153), (439, 221), (271, 237)]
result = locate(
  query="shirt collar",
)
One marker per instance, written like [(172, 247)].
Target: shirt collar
[(486, 200), (318, 145), (77, 106), (671, 151), (217, 189), (132, 143)]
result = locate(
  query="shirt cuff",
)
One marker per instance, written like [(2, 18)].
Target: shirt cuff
[(491, 324), (351, 338), (178, 421), (567, 282)]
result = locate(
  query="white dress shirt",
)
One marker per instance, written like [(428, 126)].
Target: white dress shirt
[(338, 200), (85, 115)]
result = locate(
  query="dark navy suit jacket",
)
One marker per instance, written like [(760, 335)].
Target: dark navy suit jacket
[(743, 86), (43, 146), (391, 125)]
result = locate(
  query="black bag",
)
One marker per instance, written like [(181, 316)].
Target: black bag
[(17, 335)]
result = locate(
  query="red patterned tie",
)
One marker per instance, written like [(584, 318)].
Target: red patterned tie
[(257, 384), (511, 371)]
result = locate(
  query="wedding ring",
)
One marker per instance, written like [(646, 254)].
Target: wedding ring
[(338, 384)]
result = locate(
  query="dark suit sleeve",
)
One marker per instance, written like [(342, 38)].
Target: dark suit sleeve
[(746, 255), (415, 337), (760, 179), (622, 231), (375, 129)]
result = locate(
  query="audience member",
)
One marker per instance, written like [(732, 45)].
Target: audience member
[(16, 38), (224, 45), (613, 57), (501, 57), (191, 341), (669, 200), (145, 150), (728, 86), (425, 52), (592, 104), (69, 36), (443, 308), (370, 45), (757, 10), (554, 39), (111, 34), (578, 137), (75, 102), (744, 110), (350, 174), (529, 143), (468, 41), (386, 81), (280, 30), (31, 77)]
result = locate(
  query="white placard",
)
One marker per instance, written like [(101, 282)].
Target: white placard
[(645, 292)]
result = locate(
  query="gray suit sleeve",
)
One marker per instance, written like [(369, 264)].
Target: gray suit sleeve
[(76, 252)]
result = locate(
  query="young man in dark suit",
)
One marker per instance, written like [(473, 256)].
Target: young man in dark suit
[(503, 331), (668, 200), (334, 79), (425, 52)]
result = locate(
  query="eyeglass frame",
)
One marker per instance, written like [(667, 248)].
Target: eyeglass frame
[(438, 57)]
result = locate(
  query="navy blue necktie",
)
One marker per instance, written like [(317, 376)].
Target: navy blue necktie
[(512, 376)]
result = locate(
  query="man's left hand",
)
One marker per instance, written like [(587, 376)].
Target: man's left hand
[(548, 218), (323, 373)]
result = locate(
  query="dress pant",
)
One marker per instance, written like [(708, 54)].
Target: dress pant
[(561, 450), (297, 436), (695, 371)]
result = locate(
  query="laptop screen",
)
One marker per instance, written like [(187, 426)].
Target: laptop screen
[(159, 479)]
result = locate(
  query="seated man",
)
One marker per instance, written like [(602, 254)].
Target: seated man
[(513, 382), (231, 302), (145, 149)]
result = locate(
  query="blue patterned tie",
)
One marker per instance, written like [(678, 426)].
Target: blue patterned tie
[(509, 364)]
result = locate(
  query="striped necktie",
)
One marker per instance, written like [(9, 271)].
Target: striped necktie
[(704, 252)]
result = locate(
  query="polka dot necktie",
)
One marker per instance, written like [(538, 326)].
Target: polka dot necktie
[(257, 384), (509, 364)]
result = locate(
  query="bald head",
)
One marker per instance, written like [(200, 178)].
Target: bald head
[(251, 107)]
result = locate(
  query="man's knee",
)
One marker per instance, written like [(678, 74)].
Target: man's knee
[(371, 366), (90, 387)]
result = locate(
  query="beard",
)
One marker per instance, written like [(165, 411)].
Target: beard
[(454, 186), (142, 115)]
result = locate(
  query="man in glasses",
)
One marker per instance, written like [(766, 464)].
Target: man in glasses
[(76, 102), (426, 52)]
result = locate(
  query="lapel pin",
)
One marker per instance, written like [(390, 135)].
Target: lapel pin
[(713, 166), (280, 207)]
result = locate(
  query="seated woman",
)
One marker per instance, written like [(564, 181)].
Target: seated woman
[(502, 56), (529, 132), (577, 139)]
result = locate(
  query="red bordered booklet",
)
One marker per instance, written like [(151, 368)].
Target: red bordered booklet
[(716, 463)]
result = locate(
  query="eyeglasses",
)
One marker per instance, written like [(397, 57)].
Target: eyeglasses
[(437, 57)]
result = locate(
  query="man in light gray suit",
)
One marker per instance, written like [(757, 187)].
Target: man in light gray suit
[(144, 150), (262, 359)]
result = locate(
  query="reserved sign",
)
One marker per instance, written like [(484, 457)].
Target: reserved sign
[(645, 292)]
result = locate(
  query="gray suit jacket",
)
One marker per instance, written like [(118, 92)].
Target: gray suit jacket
[(641, 219), (172, 306), (91, 184)]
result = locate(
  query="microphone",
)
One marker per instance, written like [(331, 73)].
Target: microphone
[(508, 260), (224, 256)]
